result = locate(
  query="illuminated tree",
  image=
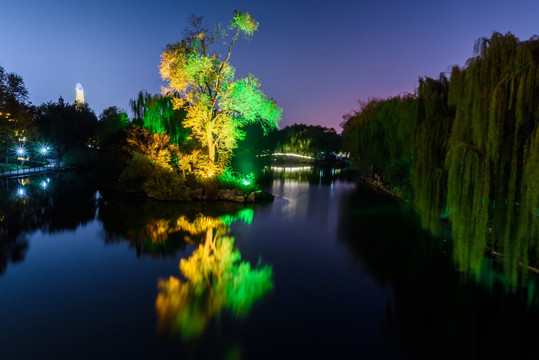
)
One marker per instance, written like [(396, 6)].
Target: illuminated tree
[(492, 152), (156, 113), (217, 104), (434, 121), (475, 151)]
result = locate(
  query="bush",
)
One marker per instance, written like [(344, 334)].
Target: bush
[(135, 173), (231, 179), (164, 184)]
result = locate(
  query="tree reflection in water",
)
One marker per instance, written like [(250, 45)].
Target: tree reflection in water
[(436, 310), (214, 279), (51, 203)]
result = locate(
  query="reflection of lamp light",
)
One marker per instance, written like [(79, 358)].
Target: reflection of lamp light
[(44, 184), (20, 192)]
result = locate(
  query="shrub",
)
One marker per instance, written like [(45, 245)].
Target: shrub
[(164, 184)]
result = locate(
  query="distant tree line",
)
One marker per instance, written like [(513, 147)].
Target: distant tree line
[(312, 140), (467, 147), (180, 140)]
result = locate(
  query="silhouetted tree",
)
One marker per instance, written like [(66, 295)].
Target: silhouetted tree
[(15, 113), (67, 127), (111, 121)]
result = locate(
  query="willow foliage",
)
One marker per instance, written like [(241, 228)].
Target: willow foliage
[(496, 98), (157, 115), (380, 133), (475, 147), (434, 120)]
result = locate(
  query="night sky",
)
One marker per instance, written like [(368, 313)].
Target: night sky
[(316, 58)]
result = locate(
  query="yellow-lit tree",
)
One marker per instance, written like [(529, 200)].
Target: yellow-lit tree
[(217, 104)]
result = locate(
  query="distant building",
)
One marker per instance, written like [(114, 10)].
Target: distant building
[(79, 94)]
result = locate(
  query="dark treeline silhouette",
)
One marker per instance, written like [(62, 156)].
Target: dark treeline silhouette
[(68, 128), (15, 112), (67, 131), (467, 147)]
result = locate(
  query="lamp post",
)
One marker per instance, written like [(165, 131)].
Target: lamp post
[(44, 151), (21, 152)]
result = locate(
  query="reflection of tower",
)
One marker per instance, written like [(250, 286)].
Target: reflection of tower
[(79, 94)]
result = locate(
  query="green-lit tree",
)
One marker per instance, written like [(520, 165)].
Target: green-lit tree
[(156, 113), (492, 152), (434, 120), (217, 103)]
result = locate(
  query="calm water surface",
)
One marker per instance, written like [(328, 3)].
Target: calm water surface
[(328, 270)]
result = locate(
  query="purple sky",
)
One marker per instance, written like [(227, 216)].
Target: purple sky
[(316, 58)]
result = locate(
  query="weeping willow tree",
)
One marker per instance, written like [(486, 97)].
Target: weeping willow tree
[(156, 113), (379, 137), (434, 120), (492, 157), (475, 145)]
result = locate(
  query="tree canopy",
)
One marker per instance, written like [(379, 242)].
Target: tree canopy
[(473, 141), (217, 104), (15, 112), (156, 114), (66, 126)]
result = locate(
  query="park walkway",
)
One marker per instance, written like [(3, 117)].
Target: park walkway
[(31, 171)]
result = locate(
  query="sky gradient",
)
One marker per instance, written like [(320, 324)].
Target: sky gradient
[(316, 58)]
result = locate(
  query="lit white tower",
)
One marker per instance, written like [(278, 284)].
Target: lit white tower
[(79, 94)]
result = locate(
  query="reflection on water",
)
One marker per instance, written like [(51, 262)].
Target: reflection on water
[(356, 277), (53, 203), (215, 280), (161, 229), (305, 174), (439, 312)]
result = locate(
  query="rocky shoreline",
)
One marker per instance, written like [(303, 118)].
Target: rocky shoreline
[(233, 195)]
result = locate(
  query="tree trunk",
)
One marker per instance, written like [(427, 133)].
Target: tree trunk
[(211, 150)]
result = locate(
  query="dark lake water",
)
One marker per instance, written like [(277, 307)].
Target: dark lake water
[(328, 270)]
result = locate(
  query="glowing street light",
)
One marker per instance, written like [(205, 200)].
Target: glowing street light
[(21, 152), (42, 150)]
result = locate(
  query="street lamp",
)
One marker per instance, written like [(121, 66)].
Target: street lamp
[(21, 152), (43, 150)]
